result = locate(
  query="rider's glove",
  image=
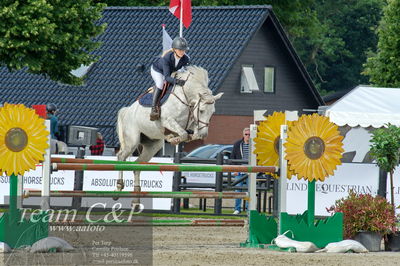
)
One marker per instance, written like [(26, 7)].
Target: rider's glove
[(180, 82)]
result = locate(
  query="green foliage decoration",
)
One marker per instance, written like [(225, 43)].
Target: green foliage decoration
[(363, 212), (49, 37), (385, 149)]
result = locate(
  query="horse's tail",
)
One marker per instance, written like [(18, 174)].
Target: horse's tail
[(120, 118)]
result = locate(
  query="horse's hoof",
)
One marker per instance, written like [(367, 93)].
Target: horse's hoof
[(175, 141), (120, 185), (115, 197), (136, 206), (137, 209)]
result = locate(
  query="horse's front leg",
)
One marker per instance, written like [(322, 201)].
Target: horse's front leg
[(136, 188), (173, 126), (169, 137), (195, 136)]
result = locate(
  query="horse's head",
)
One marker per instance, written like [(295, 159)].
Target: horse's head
[(204, 109), (199, 98)]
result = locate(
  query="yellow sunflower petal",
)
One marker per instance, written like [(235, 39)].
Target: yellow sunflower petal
[(23, 139), (267, 140), (313, 147)]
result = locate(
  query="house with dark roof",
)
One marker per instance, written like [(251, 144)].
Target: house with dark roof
[(244, 48), (335, 96)]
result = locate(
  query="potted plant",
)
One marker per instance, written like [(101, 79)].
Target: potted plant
[(392, 241), (365, 218), (385, 150)]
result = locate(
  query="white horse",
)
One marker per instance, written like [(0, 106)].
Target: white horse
[(188, 109)]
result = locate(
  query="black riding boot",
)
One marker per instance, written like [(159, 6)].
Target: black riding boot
[(155, 109)]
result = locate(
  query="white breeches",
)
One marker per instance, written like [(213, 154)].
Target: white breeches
[(158, 78)]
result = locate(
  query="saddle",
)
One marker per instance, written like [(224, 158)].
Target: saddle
[(147, 98)]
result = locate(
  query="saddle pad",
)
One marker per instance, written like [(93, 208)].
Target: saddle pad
[(147, 99)]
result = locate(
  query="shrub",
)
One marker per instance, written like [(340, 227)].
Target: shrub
[(363, 212)]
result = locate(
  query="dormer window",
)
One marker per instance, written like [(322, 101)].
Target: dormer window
[(81, 71), (248, 82)]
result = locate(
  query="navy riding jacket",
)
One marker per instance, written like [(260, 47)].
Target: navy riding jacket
[(166, 65)]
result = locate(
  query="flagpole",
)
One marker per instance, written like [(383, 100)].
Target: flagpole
[(181, 23)]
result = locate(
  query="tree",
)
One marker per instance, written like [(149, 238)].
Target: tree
[(296, 15), (334, 52), (383, 66), (49, 37), (332, 37), (385, 149)]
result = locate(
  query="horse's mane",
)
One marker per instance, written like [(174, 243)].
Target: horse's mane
[(198, 73)]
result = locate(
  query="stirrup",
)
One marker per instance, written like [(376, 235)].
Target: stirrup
[(155, 113)]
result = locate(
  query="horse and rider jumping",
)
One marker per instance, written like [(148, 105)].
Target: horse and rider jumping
[(188, 108)]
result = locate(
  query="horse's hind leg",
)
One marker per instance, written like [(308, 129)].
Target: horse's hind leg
[(150, 148)]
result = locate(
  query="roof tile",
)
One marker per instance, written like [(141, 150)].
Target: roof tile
[(133, 37)]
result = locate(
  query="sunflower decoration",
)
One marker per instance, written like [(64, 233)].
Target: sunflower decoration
[(267, 141), (314, 147), (23, 139)]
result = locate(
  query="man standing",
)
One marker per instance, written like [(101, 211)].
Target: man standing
[(51, 109), (241, 151), (99, 147)]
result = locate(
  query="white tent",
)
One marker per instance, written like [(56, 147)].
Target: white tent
[(366, 106)]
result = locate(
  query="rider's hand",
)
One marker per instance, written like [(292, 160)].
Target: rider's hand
[(180, 82)]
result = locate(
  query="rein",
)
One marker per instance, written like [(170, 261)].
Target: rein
[(192, 108)]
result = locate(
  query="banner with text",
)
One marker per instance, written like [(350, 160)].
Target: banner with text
[(60, 180), (149, 181), (362, 178)]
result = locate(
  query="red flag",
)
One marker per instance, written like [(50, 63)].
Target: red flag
[(175, 9)]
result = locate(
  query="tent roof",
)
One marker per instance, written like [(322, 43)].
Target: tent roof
[(367, 106)]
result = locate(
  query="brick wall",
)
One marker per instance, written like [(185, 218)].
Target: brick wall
[(224, 129)]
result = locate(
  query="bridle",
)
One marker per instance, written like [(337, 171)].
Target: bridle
[(198, 122), (193, 109)]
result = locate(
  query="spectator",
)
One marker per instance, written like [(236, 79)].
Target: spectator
[(99, 147), (51, 109), (241, 151)]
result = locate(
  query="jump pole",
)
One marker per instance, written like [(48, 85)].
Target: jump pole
[(143, 194), (91, 161), (252, 186), (45, 204), (172, 167), (262, 229), (159, 222), (282, 183)]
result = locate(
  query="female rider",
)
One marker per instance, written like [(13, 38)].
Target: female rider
[(162, 68)]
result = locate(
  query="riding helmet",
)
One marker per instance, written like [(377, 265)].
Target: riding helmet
[(180, 43)]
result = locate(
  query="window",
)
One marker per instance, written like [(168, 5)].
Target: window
[(81, 71), (269, 79), (248, 80)]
